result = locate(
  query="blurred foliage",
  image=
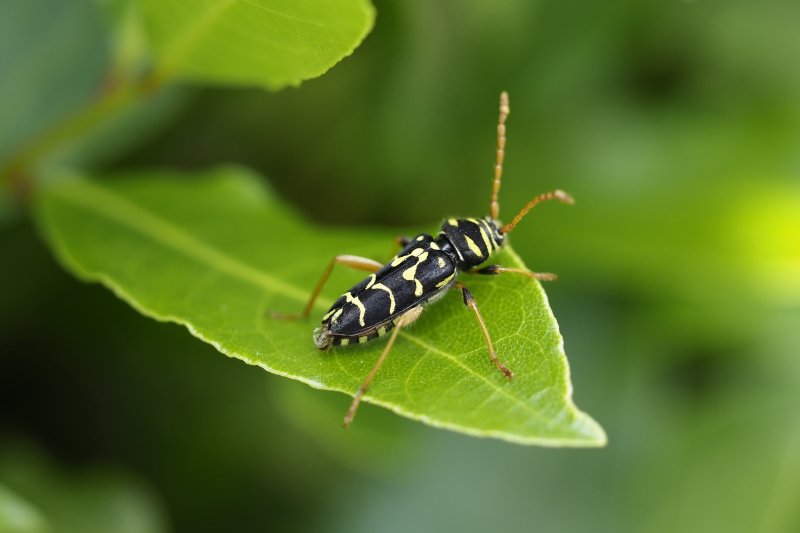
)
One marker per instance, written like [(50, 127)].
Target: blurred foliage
[(674, 125), (46, 45), (40, 498)]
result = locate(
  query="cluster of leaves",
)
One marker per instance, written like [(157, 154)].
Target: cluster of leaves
[(216, 252)]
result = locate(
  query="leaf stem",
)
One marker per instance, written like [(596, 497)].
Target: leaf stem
[(113, 98)]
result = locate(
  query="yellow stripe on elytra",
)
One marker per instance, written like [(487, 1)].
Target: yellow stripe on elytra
[(361, 309), (473, 246), (381, 286), (445, 281), (371, 281), (411, 273), (413, 253)]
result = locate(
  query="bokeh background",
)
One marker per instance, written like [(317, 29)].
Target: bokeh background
[(675, 125)]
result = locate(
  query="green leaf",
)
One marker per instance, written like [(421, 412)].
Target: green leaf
[(272, 43), (217, 253)]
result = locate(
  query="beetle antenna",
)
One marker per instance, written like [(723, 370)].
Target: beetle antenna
[(558, 194), (494, 206)]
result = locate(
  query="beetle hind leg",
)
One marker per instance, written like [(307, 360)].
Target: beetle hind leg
[(352, 261), (406, 320)]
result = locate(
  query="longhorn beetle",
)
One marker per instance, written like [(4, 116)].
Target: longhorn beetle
[(393, 295)]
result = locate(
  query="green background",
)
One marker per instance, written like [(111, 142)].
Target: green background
[(676, 127)]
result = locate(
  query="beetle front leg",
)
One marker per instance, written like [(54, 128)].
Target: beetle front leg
[(469, 301), (497, 269)]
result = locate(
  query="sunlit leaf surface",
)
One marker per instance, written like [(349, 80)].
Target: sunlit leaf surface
[(271, 43)]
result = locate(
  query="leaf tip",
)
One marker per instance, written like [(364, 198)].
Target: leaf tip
[(592, 433)]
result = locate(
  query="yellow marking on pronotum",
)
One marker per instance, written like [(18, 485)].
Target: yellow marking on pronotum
[(452, 221), (473, 246), (345, 342), (491, 235), (445, 281), (362, 311), (485, 236), (362, 340), (383, 287), (434, 246), (371, 281)]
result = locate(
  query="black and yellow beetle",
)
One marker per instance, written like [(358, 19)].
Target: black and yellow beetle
[(394, 294)]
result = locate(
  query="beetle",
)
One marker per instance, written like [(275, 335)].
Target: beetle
[(394, 294)]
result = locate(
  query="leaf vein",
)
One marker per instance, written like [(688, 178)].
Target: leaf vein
[(490, 384), (116, 208)]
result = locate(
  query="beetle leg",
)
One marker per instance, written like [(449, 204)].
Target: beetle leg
[(469, 301), (497, 269), (400, 242), (352, 261), (405, 320)]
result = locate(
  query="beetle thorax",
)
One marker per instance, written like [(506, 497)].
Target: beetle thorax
[(473, 239)]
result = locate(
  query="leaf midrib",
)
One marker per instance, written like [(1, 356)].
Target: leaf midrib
[(182, 44), (103, 202), (116, 208)]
